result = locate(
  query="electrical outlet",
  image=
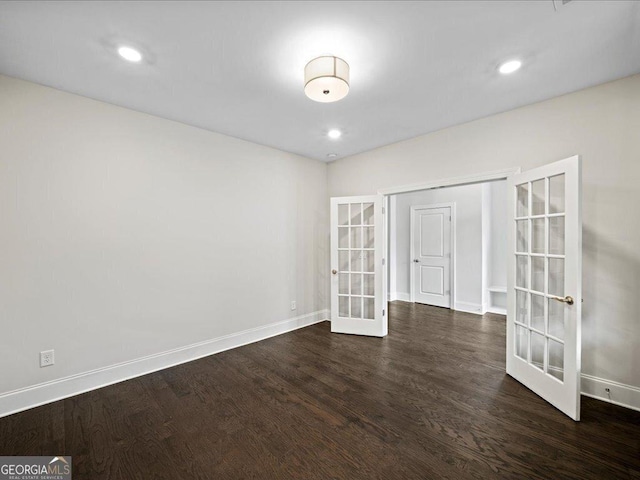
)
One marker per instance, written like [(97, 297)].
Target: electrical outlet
[(47, 358), (293, 305)]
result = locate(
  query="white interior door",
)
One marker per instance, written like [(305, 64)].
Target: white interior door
[(544, 282), (431, 255), (358, 294)]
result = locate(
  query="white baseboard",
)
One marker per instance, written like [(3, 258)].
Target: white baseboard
[(402, 296), (33, 396), (619, 393), (475, 308), (497, 310)]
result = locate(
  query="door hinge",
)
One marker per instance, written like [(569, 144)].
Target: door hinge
[(383, 210), (383, 312), (383, 261)]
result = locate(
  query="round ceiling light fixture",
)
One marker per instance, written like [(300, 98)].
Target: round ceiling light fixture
[(130, 54), (326, 79), (509, 67), (332, 155)]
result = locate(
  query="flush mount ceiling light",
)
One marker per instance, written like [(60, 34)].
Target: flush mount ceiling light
[(510, 67), (326, 79), (130, 54), (334, 134), (332, 155)]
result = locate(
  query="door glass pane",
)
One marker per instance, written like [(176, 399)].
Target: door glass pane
[(556, 318), (537, 312), (368, 285), (522, 336), (537, 274), (556, 276), (537, 197), (369, 307), (356, 237), (356, 261), (522, 307), (343, 283), (356, 307), (522, 234), (356, 284), (369, 239), (356, 214), (367, 261), (522, 207), (343, 307), (537, 350), (537, 235), (343, 214), (556, 194), (555, 365), (522, 271), (367, 213), (343, 237), (556, 235), (343, 261)]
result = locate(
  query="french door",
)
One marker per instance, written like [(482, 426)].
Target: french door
[(544, 282), (358, 291)]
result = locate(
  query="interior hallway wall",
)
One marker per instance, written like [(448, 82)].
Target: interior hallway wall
[(468, 278)]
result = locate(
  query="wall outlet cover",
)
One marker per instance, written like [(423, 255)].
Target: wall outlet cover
[(47, 358)]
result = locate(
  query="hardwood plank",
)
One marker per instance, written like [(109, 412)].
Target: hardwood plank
[(431, 400)]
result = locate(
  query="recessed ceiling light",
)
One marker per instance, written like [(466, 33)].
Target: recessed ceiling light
[(332, 155), (130, 54), (334, 134), (510, 66)]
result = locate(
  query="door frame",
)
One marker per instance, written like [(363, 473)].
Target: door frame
[(444, 182), (452, 263)]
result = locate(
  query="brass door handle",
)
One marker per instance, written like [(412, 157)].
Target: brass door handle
[(334, 271), (568, 299)]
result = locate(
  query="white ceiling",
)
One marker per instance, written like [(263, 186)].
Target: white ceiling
[(237, 67)]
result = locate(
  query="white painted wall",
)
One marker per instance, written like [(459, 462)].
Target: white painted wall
[(124, 235), (468, 200), (494, 232), (497, 233), (599, 123)]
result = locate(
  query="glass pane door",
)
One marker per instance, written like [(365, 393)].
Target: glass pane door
[(357, 253), (544, 282), (356, 280), (540, 238)]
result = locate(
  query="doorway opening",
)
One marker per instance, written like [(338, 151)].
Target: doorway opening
[(447, 247)]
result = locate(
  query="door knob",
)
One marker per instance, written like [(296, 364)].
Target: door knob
[(568, 299), (415, 260), (334, 271)]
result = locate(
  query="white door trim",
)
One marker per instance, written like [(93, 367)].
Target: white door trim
[(452, 181), (452, 263)]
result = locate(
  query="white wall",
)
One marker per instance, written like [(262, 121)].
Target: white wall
[(125, 235), (468, 199), (497, 233), (601, 124), (494, 234)]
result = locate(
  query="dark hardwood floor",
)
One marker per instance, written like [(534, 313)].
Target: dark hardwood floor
[(431, 400)]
